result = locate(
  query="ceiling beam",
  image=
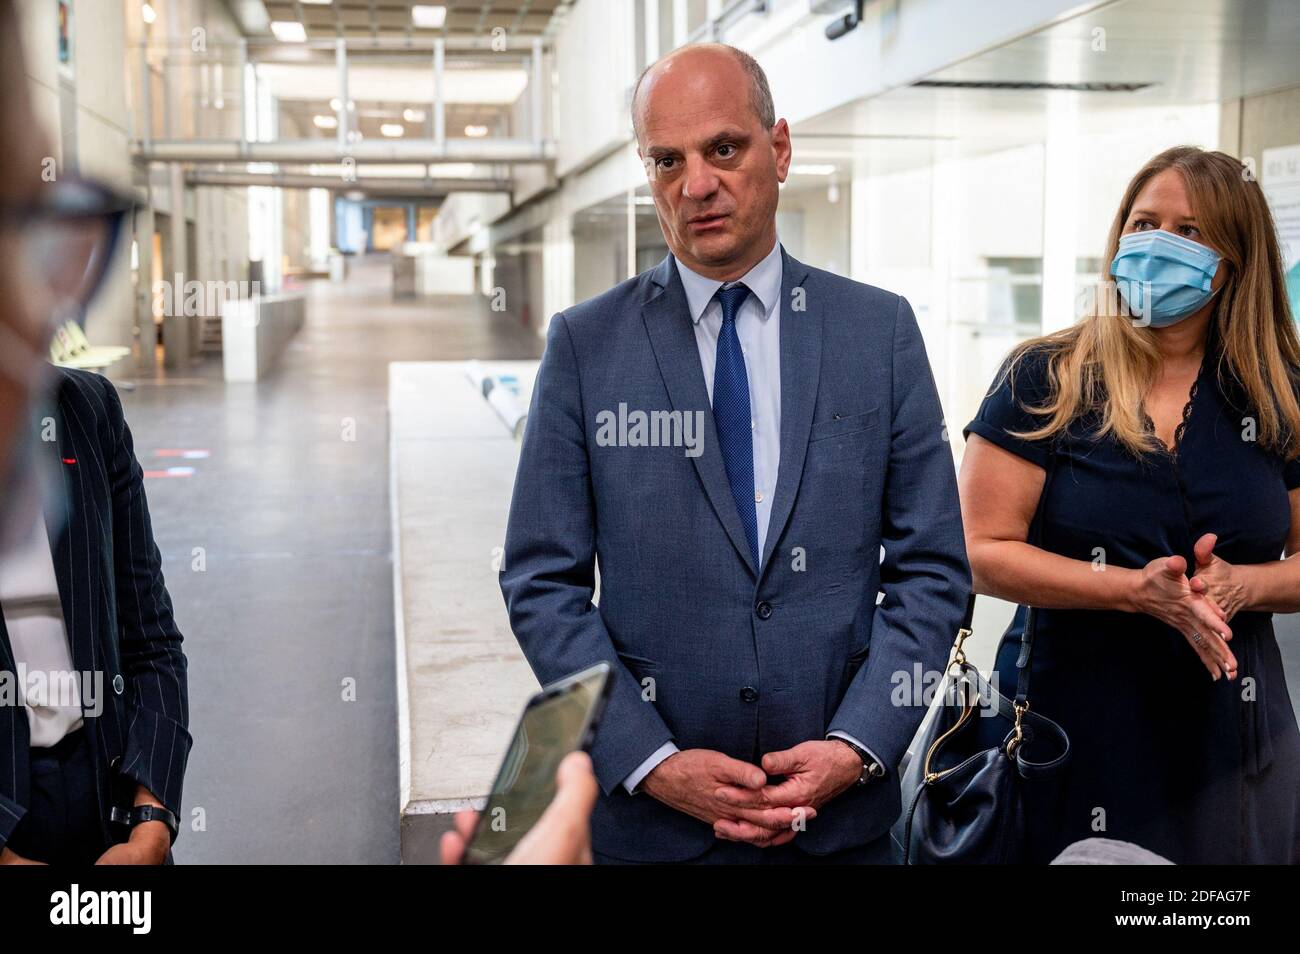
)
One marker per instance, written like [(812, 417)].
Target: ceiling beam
[(426, 188), (393, 151)]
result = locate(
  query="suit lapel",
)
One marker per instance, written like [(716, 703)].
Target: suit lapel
[(73, 524), (667, 320), (801, 362)]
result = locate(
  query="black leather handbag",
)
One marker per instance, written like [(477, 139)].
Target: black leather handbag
[(962, 795)]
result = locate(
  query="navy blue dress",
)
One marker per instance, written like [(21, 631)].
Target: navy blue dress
[(1163, 756)]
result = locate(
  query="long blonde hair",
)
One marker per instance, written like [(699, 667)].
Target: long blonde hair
[(1105, 363)]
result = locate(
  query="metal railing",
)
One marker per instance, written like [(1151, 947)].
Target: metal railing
[(211, 105)]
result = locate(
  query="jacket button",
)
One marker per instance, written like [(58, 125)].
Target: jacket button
[(118, 684), (764, 610), (749, 694)]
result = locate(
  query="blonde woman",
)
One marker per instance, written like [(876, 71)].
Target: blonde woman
[(1150, 453)]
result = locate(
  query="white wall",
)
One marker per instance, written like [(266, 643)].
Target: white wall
[(595, 61), (462, 214), (928, 232), (105, 73), (810, 76), (99, 118), (823, 239), (1251, 125), (596, 71)]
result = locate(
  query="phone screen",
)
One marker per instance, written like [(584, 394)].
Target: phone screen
[(555, 723)]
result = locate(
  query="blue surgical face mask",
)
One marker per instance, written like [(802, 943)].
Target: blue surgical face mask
[(1163, 277)]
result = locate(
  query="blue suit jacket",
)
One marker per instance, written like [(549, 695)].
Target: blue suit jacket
[(708, 652)]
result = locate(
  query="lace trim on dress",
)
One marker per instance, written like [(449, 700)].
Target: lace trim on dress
[(1181, 430)]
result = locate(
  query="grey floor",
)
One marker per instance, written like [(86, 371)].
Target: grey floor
[(277, 556)]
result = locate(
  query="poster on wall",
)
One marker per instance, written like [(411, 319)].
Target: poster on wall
[(1280, 179), (65, 33)]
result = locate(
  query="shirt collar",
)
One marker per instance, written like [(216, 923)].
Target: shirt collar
[(764, 280)]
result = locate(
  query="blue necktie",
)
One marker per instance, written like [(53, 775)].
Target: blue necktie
[(731, 414)]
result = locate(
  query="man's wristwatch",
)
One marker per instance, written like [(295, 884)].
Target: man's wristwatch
[(146, 813), (870, 767)]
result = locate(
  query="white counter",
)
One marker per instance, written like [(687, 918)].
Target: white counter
[(255, 331)]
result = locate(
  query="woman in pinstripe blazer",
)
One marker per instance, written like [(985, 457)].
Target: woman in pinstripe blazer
[(86, 581), (118, 618)]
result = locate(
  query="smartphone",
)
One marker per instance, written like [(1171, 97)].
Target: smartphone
[(560, 719)]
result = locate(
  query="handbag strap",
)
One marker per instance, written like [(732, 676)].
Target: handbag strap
[(969, 616), (1024, 659), (1046, 732)]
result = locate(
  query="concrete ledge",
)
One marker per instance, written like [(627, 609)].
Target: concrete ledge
[(255, 331), (461, 679), (420, 271)]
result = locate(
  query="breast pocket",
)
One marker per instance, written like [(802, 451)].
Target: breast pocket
[(840, 427), (838, 444)]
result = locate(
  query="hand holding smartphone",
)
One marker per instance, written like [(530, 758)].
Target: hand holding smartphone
[(560, 719)]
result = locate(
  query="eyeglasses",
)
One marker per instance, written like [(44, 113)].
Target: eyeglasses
[(67, 237)]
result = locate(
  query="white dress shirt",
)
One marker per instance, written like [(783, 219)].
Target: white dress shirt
[(33, 615), (758, 326)]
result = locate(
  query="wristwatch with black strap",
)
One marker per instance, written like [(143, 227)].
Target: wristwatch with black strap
[(146, 813), (870, 767)]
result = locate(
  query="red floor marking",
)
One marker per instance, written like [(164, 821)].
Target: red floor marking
[(192, 454)]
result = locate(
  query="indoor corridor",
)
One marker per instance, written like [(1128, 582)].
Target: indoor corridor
[(270, 506), (807, 262)]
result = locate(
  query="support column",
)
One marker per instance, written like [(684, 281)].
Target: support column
[(535, 95), (177, 328), (1060, 211), (341, 62), (147, 333), (439, 97)]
